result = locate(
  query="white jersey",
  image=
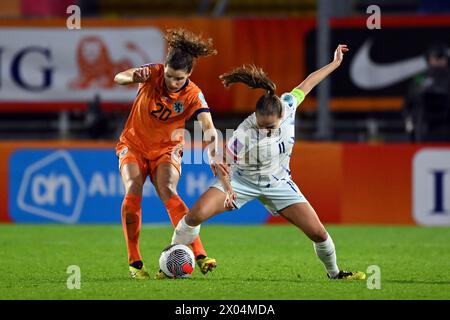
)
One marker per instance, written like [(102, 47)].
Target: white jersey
[(262, 158)]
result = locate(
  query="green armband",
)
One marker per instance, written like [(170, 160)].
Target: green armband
[(299, 95)]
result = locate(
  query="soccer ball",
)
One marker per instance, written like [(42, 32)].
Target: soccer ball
[(177, 261)]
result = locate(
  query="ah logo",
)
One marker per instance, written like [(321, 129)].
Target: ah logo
[(51, 187), (431, 186)]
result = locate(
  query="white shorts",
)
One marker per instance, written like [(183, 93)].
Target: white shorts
[(274, 198)]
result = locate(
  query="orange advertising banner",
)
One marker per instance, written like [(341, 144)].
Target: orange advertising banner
[(72, 66), (374, 184), (67, 68)]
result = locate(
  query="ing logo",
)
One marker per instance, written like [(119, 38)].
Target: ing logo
[(52, 187)]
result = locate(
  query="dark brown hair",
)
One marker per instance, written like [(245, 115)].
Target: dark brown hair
[(185, 47), (256, 78)]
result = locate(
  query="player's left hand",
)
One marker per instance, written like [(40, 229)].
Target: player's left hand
[(339, 53), (229, 199)]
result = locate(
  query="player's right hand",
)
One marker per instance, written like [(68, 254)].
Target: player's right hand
[(141, 74)]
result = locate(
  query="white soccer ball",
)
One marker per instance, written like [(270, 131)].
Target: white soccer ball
[(177, 261)]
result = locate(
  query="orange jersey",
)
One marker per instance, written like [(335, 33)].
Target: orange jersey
[(157, 118)]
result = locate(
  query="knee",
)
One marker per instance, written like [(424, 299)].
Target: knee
[(167, 192), (133, 187), (193, 219), (320, 235)]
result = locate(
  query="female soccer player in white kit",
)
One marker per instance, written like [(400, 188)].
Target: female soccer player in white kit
[(259, 153)]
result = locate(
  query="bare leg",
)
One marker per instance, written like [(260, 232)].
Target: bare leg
[(208, 205), (305, 218), (166, 181)]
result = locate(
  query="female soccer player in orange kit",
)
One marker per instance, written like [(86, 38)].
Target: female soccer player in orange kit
[(165, 100)]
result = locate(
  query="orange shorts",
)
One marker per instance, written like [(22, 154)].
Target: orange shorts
[(147, 167)]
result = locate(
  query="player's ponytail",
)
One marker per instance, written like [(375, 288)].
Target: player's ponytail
[(185, 47), (256, 78)]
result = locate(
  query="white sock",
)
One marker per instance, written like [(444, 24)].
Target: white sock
[(184, 233), (327, 254)]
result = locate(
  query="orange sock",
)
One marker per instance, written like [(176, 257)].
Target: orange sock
[(177, 210), (131, 223)]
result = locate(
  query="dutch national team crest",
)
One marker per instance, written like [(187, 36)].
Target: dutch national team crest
[(178, 107)]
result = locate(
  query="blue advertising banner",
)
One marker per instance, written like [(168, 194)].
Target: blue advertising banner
[(84, 186)]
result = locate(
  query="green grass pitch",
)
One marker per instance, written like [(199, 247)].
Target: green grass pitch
[(254, 262)]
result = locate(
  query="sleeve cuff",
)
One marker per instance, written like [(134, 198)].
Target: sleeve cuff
[(197, 112)]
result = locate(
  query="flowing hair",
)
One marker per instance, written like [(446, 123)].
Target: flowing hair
[(185, 47), (250, 75), (256, 78)]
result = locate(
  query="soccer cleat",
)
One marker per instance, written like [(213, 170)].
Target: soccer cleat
[(206, 264), (161, 275), (140, 274), (348, 275)]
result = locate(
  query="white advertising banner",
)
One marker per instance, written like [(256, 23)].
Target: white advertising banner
[(57, 64), (431, 187)]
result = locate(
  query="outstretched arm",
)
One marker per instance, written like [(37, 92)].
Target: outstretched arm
[(317, 76), (133, 75)]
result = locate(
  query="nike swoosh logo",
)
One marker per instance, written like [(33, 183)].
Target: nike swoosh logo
[(370, 75)]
